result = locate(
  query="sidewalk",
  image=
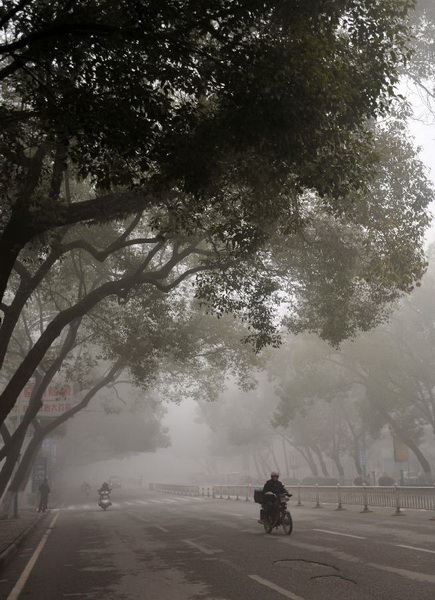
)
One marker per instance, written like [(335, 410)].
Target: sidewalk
[(13, 531)]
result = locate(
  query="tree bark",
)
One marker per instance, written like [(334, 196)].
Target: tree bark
[(122, 286), (257, 466), (286, 461), (323, 466), (275, 460), (10, 462), (311, 462), (425, 465), (340, 470)]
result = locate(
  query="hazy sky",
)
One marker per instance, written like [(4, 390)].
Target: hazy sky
[(424, 133)]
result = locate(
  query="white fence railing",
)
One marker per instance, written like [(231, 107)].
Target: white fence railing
[(422, 498)]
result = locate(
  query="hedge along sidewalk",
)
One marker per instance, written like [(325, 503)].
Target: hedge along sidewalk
[(14, 531)]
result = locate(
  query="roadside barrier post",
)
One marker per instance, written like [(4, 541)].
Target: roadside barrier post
[(365, 500), (398, 512), (433, 502), (299, 496), (237, 493), (247, 494), (318, 505), (339, 507)]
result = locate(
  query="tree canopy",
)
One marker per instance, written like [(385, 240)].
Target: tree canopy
[(235, 145), (221, 115)]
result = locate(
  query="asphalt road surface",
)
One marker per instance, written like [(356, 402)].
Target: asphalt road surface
[(154, 546)]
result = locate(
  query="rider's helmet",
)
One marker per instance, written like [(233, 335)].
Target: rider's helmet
[(274, 474)]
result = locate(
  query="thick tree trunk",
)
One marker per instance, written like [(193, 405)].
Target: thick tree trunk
[(264, 465), (6, 436), (355, 456), (25, 290), (10, 462), (308, 455), (11, 244), (257, 466), (41, 433), (286, 460), (22, 474), (323, 466), (425, 465), (275, 460), (340, 470), (8, 397), (6, 504)]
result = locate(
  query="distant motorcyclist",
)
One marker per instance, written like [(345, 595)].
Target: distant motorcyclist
[(86, 488), (105, 488), (272, 487)]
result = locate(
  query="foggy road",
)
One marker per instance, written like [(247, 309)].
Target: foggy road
[(158, 547)]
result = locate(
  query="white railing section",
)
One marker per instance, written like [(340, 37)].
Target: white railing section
[(398, 497), (184, 490)]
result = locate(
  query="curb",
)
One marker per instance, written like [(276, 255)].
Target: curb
[(8, 553)]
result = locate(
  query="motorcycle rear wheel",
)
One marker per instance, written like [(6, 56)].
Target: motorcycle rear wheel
[(287, 523)]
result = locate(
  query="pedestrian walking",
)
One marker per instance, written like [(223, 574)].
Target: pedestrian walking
[(44, 490)]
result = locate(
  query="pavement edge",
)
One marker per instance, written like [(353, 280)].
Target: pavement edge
[(8, 553)]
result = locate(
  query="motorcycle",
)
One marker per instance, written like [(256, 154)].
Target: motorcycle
[(104, 500), (276, 514)]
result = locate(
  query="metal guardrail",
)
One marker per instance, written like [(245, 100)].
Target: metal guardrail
[(398, 497), (184, 490)]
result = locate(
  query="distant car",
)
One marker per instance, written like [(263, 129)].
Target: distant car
[(115, 482)]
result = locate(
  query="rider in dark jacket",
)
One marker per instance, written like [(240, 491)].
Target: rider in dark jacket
[(275, 486)]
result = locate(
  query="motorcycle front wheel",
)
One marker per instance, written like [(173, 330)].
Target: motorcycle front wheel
[(287, 523), (267, 525)]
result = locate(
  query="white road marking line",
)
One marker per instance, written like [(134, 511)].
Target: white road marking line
[(149, 522), (129, 503), (139, 518), (358, 537), (158, 501), (414, 548), (275, 587), (201, 548), (141, 502), (412, 575), (227, 513), (116, 504), (28, 569)]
